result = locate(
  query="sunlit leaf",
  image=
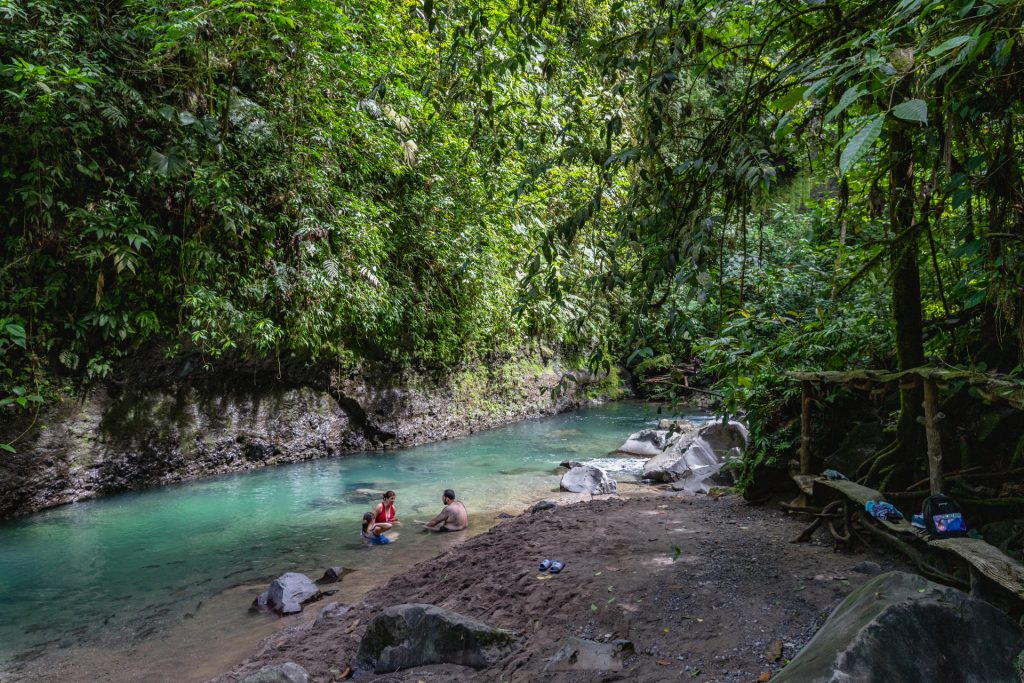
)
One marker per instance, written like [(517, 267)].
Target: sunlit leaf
[(861, 142), (912, 110)]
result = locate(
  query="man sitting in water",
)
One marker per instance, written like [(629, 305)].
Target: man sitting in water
[(453, 516)]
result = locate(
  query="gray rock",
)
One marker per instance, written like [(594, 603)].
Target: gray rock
[(677, 424), (723, 437), (902, 627), (288, 593), (588, 479), (569, 464), (696, 462), (332, 575), (406, 636), (542, 505), (867, 567), (289, 672), (649, 442), (330, 612), (578, 654)]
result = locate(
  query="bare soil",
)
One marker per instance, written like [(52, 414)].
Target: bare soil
[(706, 589)]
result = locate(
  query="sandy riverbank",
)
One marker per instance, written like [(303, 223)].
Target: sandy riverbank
[(715, 610)]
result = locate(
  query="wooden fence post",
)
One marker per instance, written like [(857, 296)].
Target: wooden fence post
[(931, 431), (805, 427)]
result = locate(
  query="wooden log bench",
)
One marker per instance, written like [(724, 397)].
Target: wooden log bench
[(825, 488), (986, 564)]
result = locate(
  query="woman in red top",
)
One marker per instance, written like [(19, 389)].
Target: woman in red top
[(385, 514)]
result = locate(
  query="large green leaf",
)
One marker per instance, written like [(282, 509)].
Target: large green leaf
[(861, 142), (791, 98), (912, 110), (169, 165), (851, 95), (948, 45)]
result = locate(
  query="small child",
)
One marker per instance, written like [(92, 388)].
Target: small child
[(373, 534)]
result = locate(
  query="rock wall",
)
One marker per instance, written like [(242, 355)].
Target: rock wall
[(180, 424)]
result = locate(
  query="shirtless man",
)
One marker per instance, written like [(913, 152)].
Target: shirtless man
[(452, 518)]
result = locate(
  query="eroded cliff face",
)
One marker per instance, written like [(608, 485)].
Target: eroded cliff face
[(132, 435)]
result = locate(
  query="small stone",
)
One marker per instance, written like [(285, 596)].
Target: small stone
[(578, 654), (289, 672), (332, 575), (543, 505), (869, 568)]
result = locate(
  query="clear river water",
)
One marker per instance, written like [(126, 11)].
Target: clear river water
[(156, 584)]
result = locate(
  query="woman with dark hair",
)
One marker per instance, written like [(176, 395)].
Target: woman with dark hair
[(385, 514)]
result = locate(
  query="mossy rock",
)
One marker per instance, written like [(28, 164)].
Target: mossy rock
[(407, 636)]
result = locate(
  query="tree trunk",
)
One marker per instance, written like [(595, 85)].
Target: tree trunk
[(906, 301)]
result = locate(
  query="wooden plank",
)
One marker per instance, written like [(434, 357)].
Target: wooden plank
[(989, 560), (861, 495)]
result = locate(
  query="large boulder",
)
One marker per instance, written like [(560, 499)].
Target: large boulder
[(695, 462), (650, 442), (288, 593), (902, 627), (289, 672), (407, 636), (588, 479)]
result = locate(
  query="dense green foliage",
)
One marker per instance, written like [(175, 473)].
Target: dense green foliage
[(871, 150), (260, 177), (747, 187)]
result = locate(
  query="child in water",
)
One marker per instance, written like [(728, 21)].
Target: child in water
[(373, 533)]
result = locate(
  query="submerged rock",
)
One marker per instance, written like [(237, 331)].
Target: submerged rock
[(588, 479), (288, 593), (289, 672), (407, 636), (902, 627)]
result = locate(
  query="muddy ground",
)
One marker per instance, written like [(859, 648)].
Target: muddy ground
[(707, 589)]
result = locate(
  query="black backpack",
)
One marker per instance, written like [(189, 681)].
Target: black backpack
[(942, 517)]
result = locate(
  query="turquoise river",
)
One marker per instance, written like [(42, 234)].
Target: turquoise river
[(156, 585)]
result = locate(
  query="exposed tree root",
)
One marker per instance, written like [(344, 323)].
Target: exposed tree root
[(910, 552), (806, 534)]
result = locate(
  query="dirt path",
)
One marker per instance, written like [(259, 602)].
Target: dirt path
[(734, 596)]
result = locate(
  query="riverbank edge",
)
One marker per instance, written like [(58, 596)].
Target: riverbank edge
[(498, 584), (179, 424)]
